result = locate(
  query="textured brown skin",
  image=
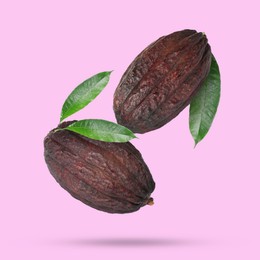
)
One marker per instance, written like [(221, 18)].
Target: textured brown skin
[(161, 81), (110, 177)]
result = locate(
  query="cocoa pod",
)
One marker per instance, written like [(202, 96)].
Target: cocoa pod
[(110, 177), (161, 81)]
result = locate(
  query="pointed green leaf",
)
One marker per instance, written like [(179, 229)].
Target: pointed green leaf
[(83, 94), (203, 106), (102, 130)]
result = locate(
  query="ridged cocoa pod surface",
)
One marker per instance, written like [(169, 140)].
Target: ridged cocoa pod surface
[(161, 81), (110, 177)]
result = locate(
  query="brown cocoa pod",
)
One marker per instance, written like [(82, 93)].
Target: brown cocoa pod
[(110, 177), (161, 81)]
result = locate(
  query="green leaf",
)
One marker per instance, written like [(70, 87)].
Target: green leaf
[(83, 94), (102, 130), (203, 106)]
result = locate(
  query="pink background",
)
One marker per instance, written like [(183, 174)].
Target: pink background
[(206, 199)]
